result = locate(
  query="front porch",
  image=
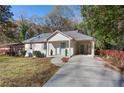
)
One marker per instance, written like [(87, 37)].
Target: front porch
[(58, 48)]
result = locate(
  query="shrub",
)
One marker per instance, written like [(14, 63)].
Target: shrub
[(66, 52), (114, 54), (23, 52), (11, 53), (38, 54)]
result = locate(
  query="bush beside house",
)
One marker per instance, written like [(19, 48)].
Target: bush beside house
[(23, 52), (38, 54)]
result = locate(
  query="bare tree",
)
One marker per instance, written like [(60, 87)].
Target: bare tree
[(60, 19)]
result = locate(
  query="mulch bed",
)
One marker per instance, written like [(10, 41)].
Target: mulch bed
[(115, 66), (65, 59), (112, 65)]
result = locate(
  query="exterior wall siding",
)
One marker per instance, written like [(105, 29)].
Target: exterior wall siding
[(27, 46), (58, 37), (39, 47), (73, 47), (36, 47)]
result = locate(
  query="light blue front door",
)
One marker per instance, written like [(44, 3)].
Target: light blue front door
[(62, 48)]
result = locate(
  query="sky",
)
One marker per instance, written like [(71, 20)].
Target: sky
[(38, 10), (30, 10)]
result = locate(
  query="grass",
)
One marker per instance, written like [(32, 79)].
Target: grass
[(25, 72)]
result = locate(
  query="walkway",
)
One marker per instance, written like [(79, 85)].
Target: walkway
[(57, 61), (84, 71)]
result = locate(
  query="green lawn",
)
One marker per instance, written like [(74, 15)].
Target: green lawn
[(21, 72)]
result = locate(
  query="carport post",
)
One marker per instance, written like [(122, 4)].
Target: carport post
[(92, 48), (69, 44), (47, 49)]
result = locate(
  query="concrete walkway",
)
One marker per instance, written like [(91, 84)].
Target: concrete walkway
[(57, 61), (84, 71)]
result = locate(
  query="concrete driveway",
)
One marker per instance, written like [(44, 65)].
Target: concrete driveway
[(85, 71)]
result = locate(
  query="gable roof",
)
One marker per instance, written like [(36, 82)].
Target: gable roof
[(57, 31), (70, 34)]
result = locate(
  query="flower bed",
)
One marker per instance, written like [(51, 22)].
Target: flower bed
[(115, 57), (65, 59)]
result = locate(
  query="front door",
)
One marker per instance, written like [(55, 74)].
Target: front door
[(81, 50), (62, 48)]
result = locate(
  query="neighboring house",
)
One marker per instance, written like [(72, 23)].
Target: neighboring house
[(11, 48), (67, 43)]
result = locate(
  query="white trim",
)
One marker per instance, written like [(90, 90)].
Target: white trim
[(47, 50), (92, 48), (69, 48)]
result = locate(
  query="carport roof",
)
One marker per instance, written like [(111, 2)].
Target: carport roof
[(78, 36)]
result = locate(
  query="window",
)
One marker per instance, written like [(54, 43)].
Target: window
[(30, 45), (63, 45), (45, 46)]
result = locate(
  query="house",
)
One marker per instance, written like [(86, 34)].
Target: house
[(67, 43)]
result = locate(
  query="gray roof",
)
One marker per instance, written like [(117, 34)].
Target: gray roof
[(78, 36), (73, 34), (39, 38)]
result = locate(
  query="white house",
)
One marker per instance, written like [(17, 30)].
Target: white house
[(67, 43)]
